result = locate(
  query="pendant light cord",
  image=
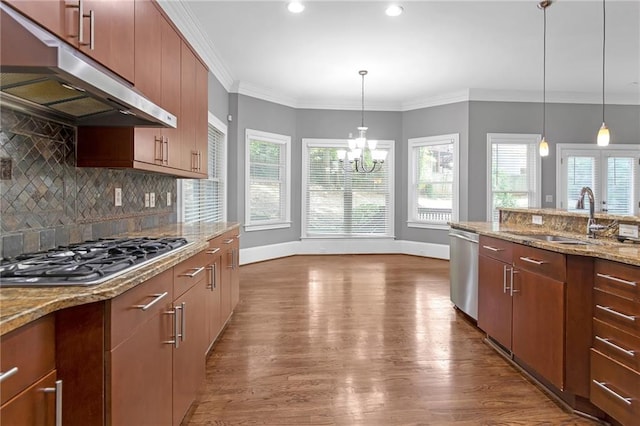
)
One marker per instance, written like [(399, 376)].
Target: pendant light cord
[(362, 73), (604, 32), (544, 74)]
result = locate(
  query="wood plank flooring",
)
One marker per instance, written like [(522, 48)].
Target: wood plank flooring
[(360, 340)]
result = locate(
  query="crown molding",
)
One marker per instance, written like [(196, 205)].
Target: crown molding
[(486, 95), (263, 93), (183, 17)]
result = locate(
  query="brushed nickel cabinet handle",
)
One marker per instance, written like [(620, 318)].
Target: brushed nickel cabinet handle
[(616, 313), (8, 373), (195, 272), (513, 290), (505, 268), (534, 261), (603, 386), (158, 140), (175, 341), (156, 299), (492, 248), (58, 391), (165, 148), (212, 277), (183, 327), (92, 30), (616, 347), (229, 241), (616, 279), (213, 251)]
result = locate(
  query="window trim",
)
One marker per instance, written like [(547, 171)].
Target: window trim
[(275, 138), (515, 138), (217, 124), (454, 138), (332, 143), (564, 149)]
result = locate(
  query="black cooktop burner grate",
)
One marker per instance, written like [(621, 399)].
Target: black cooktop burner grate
[(90, 262)]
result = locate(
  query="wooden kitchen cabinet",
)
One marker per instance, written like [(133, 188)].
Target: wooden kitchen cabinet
[(615, 364), (230, 285), (538, 311), (107, 28), (28, 385), (213, 286), (188, 353), (139, 361), (109, 36), (50, 14), (494, 289)]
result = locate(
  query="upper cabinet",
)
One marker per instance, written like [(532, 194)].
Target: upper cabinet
[(166, 70), (103, 30)]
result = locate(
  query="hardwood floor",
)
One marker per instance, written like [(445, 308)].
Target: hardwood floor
[(360, 340)]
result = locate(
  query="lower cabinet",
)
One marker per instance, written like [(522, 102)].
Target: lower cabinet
[(615, 352), (495, 305), (30, 393), (213, 291)]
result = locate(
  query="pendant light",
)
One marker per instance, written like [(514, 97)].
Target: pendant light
[(603, 134), (544, 146), (358, 146)]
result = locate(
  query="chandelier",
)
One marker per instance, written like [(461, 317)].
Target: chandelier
[(359, 147)]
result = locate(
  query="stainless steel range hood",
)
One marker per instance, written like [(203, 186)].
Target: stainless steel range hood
[(41, 72)]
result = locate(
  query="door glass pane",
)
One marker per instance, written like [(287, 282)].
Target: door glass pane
[(581, 172), (620, 185)]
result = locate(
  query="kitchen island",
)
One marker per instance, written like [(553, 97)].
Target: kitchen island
[(564, 307)]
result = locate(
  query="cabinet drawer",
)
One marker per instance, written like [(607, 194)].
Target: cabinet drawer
[(614, 388), (618, 311), (616, 344), (34, 406), (543, 262), (28, 353), (496, 248), (188, 273), (617, 278), (136, 306)]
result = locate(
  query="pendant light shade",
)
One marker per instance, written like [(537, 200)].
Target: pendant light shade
[(543, 147), (603, 137)]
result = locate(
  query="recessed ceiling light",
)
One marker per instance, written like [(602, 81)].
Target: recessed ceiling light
[(295, 7), (394, 10)]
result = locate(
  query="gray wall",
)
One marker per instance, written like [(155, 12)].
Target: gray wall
[(257, 114), (218, 99), (433, 121), (566, 123)]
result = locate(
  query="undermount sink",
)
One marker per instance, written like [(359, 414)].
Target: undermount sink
[(557, 239)]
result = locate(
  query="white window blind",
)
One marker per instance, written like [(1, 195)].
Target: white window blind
[(433, 180), (612, 173), (342, 203), (204, 199), (268, 176), (514, 168)]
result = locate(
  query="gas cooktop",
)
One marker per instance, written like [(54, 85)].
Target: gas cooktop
[(87, 263)]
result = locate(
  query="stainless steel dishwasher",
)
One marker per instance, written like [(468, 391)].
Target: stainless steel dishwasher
[(463, 271)]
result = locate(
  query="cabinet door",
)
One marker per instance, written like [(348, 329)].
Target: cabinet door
[(226, 282), (187, 121), (494, 299), (202, 117), (34, 406), (235, 274), (212, 301), (170, 69), (188, 357), (538, 324), (148, 50), (140, 374), (48, 13), (110, 39)]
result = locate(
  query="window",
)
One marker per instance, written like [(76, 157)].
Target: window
[(514, 172), (433, 181), (268, 176), (205, 199), (341, 203), (613, 173)]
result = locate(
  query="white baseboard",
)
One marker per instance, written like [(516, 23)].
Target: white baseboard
[(341, 246)]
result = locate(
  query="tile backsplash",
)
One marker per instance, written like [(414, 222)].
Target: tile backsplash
[(46, 201)]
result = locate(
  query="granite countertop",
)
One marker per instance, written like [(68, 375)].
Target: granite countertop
[(21, 305), (601, 248)]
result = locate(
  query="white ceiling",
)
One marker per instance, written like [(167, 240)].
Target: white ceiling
[(437, 51)]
